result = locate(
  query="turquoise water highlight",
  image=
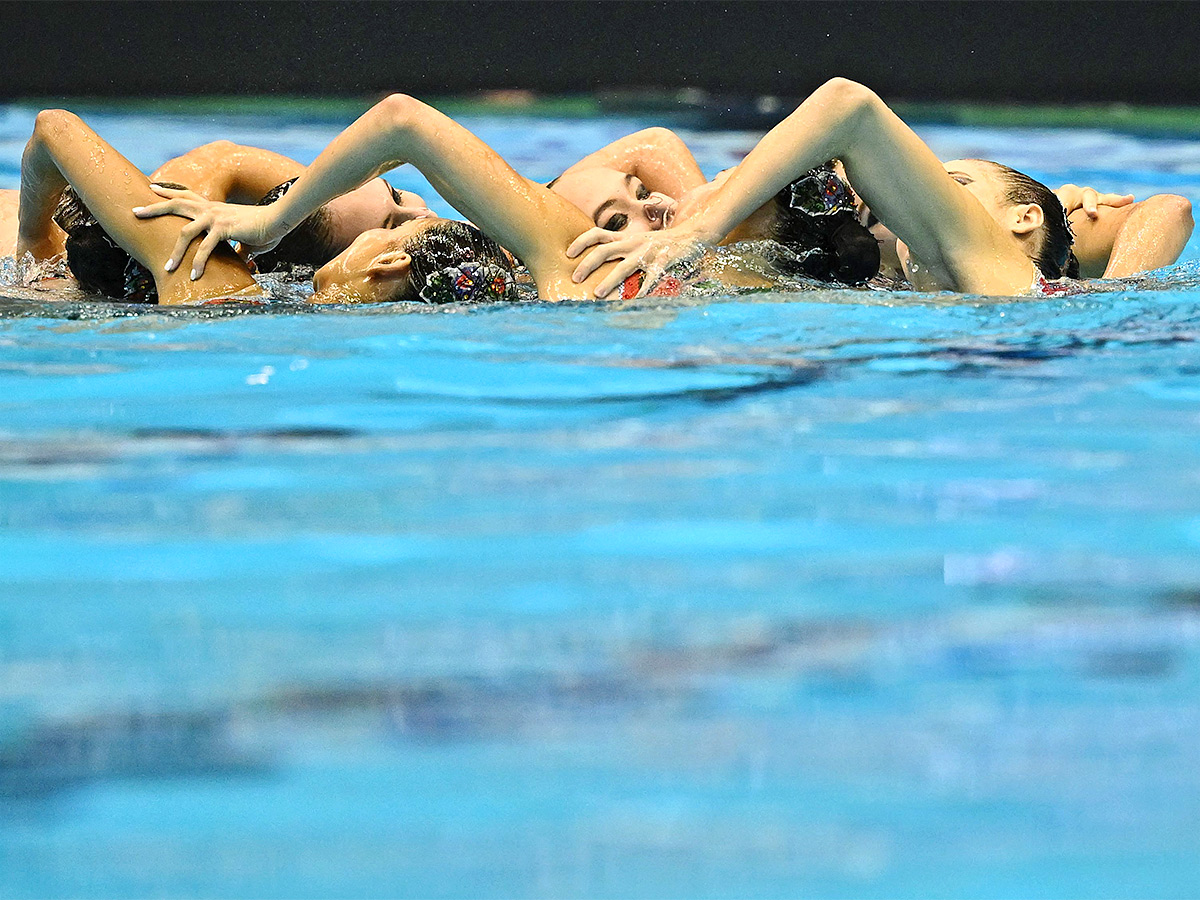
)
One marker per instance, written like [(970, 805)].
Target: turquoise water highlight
[(833, 593)]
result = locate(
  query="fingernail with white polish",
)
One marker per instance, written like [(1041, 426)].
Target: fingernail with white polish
[(195, 274), (138, 209), (170, 266)]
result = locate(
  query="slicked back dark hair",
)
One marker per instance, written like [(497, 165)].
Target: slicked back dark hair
[(308, 244), (824, 239), (1053, 256)]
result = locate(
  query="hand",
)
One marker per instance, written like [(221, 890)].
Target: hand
[(251, 226), (652, 252), (1073, 197)]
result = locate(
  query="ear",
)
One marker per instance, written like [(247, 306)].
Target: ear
[(1027, 218), (389, 264)]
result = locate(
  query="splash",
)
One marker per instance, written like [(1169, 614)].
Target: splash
[(27, 271)]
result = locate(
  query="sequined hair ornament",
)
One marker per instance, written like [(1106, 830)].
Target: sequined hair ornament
[(468, 282), (820, 192)]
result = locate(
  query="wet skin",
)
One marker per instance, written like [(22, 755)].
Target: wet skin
[(615, 200)]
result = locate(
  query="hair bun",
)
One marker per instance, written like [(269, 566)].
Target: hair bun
[(468, 282)]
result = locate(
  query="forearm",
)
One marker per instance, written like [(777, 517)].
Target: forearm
[(822, 127), (370, 146), (524, 217), (256, 171), (1153, 236), (42, 185), (229, 172), (660, 160)]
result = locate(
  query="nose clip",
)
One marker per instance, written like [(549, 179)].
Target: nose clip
[(657, 207)]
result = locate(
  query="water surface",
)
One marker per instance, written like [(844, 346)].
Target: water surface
[(829, 593)]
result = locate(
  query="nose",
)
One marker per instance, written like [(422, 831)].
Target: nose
[(402, 214), (655, 209)]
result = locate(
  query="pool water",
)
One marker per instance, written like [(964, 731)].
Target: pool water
[(832, 593)]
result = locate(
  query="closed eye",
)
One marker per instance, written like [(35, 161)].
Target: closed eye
[(642, 192), (617, 223), (961, 178)]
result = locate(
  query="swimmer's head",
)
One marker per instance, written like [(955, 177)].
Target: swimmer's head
[(375, 204), (425, 260), (814, 229), (334, 226), (1027, 207), (615, 200)]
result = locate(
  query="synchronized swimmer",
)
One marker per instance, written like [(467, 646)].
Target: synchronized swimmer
[(631, 212)]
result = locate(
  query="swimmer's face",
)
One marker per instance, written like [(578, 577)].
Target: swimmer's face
[(375, 204), (988, 183), (615, 200), (983, 180), (373, 268)]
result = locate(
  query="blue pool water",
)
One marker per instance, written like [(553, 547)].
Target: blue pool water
[(832, 594)]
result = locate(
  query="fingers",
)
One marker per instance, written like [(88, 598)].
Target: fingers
[(1116, 200), (597, 257), (587, 239), (649, 282), (180, 202), (1068, 196), (1092, 200), (616, 277), (162, 208), (187, 234), (185, 207), (1073, 197), (200, 260)]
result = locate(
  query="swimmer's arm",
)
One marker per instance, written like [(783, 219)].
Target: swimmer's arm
[(1115, 237), (42, 185), (524, 217), (889, 166), (44, 240), (234, 173), (528, 219), (64, 150), (1152, 236), (657, 156)]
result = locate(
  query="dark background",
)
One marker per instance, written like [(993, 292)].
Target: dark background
[(1028, 51)]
